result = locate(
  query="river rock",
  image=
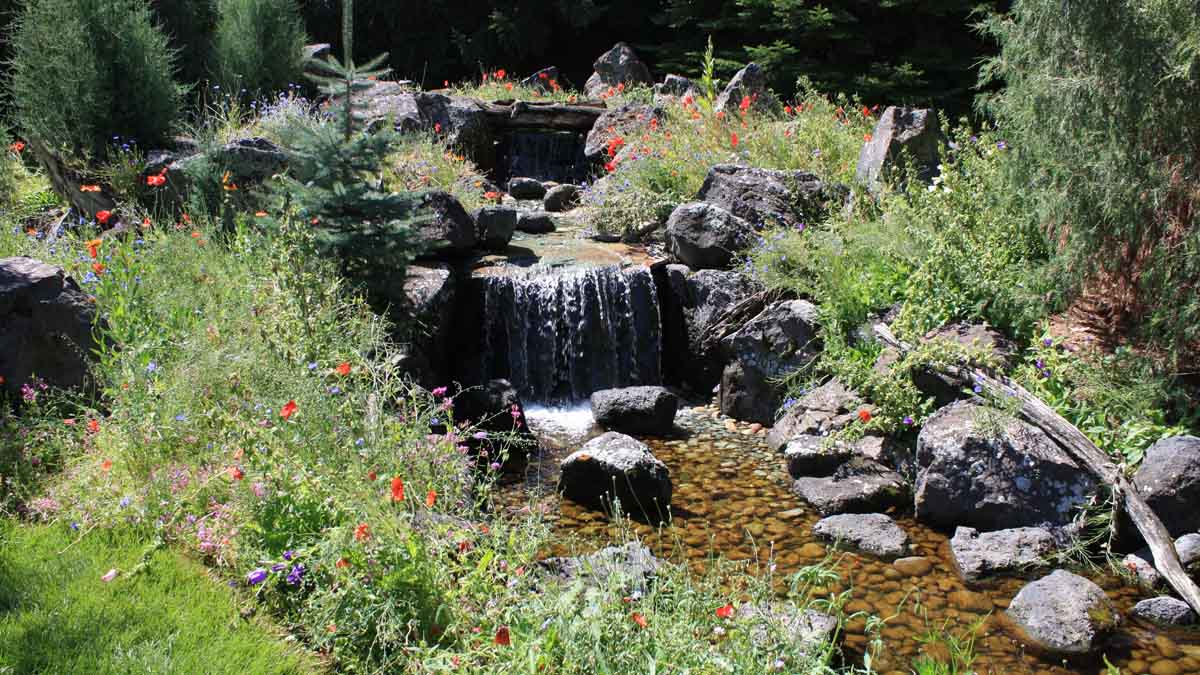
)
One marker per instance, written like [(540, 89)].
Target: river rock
[(616, 465), (448, 229), (705, 236), (1169, 480), (526, 188), (631, 567), (691, 302), (1003, 552), (819, 412), (635, 410), (858, 486), (872, 533), (1141, 566), (1166, 611), (494, 226), (627, 122), (979, 469), (750, 81), (901, 135), (1064, 613), (421, 312), (619, 65), (766, 197), (561, 198), (45, 327), (946, 389), (810, 455), (802, 629), (535, 222), (777, 342)]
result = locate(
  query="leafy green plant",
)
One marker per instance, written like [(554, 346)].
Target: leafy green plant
[(258, 46), (106, 57)]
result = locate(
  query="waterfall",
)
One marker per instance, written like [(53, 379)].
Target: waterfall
[(560, 334), (544, 155)]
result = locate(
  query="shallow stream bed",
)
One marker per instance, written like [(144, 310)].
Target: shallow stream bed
[(732, 498)]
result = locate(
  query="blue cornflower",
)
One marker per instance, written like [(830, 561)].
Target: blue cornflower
[(257, 576), (124, 502), (181, 417), (297, 573), (151, 367)]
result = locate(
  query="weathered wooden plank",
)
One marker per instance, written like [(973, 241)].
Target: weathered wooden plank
[(523, 115)]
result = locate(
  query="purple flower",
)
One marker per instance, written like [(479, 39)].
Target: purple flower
[(1002, 145), (278, 567), (1045, 372), (977, 389), (287, 555), (481, 435), (28, 393), (297, 573), (495, 466), (908, 421), (335, 390), (257, 576), (1039, 364), (439, 392)]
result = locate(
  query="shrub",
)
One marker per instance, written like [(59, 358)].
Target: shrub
[(189, 24), (258, 45), (86, 71)]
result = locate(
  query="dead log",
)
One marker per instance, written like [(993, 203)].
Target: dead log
[(523, 115), (1034, 411)]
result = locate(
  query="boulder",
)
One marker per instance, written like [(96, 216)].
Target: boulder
[(1188, 548), (690, 303), (541, 79), (631, 567), (1064, 613), (1141, 566), (767, 197), (1165, 611), (619, 65), (777, 342), (804, 630), (811, 455), (635, 410), (822, 411), (858, 486), (705, 236), (502, 433), (526, 188), (751, 82), (615, 465), (628, 121), (561, 198), (422, 311), (1003, 552), (979, 468), (45, 328), (901, 135), (494, 226), (872, 533), (535, 222), (449, 229), (1169, 480), (945, 388), (674, 87), (461, 121)]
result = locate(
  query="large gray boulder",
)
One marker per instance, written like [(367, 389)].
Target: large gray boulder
[(1064, 613), (1003, 552), (1165, 611), (1141, 563), (45, 328), (858, 486), (705, 236), (535, 222), (872, 533), (619, 65), (494, 226), (614, 465), (674, 88), (627, 122), (526, 188), (751, 82), (691, 303), (901, 135), (1169, 480), (422, 310), (777, 342), (461, 121), (561, 198), (819, 412), (766, 197), (635, 410), (979, 468), (448, 229)]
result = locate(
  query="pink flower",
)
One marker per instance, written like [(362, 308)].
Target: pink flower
[(440, 391), (109, 575)]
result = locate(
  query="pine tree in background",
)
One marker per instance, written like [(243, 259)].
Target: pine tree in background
[(335, 174)]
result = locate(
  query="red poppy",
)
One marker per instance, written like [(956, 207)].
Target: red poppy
[(89, 188), (864, 415), (371, 475), (93, 426), (725, 612), (721, 115), (866, 111), (867, 137), (654, 124), (156, 181), (733, 139), (236, 473), (787, 110), (98, 268), (745, 104), (103, 216), (639, 619), (341, 562), (288, 410), (610, 166), (343, 369), (437, 127), (106, 465), (491, 195), (430, 498), (502, 637), (542, 76), (464, 546), (501, 74), (621, 86), (508, 86), (70, 421), (17, 147), (362, 532), (397, 489)]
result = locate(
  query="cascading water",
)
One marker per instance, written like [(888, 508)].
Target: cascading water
[(544, 155), (560, 334)]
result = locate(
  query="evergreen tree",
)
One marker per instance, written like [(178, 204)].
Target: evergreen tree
[(189, 24), (258, 45), (335, 174)]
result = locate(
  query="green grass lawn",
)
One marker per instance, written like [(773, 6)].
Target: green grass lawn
[(58, 616)]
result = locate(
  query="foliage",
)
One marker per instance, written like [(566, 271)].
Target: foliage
[(1112, 170), (104, 56), (161, 615), (258, 46), (425, 162), (190, 25)]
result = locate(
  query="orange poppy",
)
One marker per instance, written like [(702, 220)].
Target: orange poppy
[(89, 188), (725, 612), (431, 498), (98, 268), (639, 619), (397, 489), (93, 426), (864, 415), (93, 247), (103, 216), (236, 473), (288, 410), (362, 532), (17, 147), (106, 465), (343, 369)]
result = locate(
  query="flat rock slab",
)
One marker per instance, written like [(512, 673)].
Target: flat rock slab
[(1064, 613), (872, 533), (856, 487), (1165, 611), (614, 465), (1013, 551), (635, 410)]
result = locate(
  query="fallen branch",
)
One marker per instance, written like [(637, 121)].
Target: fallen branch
[(1034, 411)]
